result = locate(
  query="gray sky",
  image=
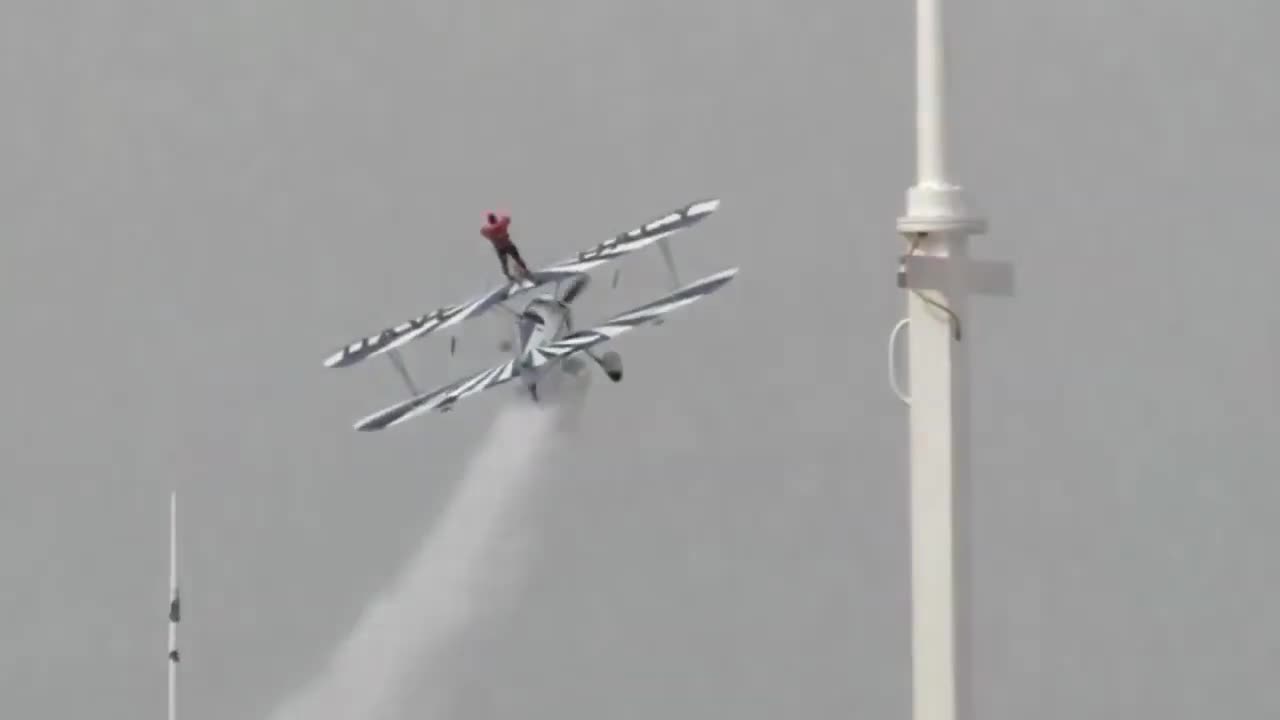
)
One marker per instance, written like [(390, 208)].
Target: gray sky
[(201, 200)]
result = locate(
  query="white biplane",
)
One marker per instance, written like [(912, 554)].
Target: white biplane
[(547, 341)]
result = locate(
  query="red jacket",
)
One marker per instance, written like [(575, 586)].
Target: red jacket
[(496, 232)]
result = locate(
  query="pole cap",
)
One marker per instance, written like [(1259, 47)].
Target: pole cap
[(941, 207)]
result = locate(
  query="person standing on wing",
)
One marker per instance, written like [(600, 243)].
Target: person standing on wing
[(496, 231)]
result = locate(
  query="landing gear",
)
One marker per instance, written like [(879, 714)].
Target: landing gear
[(610, 363)]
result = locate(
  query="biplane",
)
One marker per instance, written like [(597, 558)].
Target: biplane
[(546, 340)]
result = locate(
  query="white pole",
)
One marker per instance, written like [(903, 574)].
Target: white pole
[(938, 372), (930, 127), (938, 223), (174, 610)]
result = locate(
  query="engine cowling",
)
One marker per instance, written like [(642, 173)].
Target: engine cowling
[(612, 364)]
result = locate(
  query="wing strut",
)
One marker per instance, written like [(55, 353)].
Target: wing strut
[(667, 257), (398, 362), (664, 246)]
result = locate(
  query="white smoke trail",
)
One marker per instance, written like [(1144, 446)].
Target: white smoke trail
[(446, 582)]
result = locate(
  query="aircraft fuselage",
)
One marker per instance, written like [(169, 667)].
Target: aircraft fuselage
[(544, 320)]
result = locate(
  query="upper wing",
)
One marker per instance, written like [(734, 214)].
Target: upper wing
[(641, 237), (611, 249), (444, 398), (410, 330)]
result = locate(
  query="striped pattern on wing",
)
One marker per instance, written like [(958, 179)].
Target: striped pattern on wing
[(639, 238), (442, 399), (410, 330)]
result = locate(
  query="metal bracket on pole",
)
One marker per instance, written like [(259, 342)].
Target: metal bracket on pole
[(933, 272), (949, 275)]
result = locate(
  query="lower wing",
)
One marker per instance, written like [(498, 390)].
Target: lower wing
[(443, 399), (625, 322)]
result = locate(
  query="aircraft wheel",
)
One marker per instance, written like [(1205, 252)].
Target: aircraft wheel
[(612, 363)]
